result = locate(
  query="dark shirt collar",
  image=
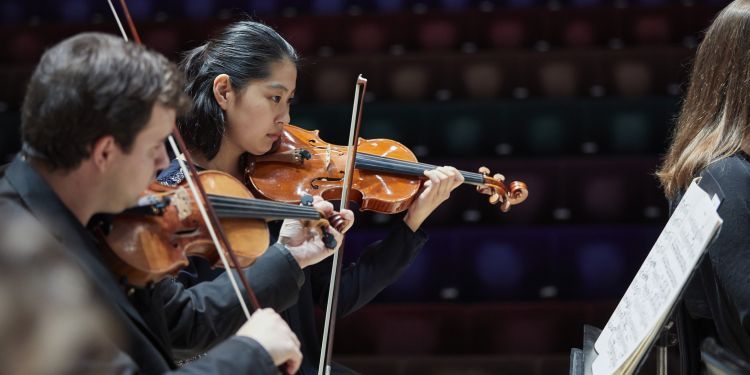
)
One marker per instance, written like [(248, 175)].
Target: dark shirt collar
[(43, 202)]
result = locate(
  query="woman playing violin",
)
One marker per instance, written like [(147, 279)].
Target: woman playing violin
[(243, 82)]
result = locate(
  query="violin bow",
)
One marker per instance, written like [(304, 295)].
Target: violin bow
[(326, 349), (191, 175)]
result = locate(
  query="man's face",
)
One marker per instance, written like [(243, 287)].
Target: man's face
[(132, 172)]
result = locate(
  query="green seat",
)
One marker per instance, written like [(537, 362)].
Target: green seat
[(630, 132)]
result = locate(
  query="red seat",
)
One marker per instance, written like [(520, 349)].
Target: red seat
[(438, 35), (506, 33)]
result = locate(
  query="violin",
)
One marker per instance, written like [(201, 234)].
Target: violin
[(155, 238), (386, 178)]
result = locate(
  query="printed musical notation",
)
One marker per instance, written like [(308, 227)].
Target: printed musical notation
[(639, 316)]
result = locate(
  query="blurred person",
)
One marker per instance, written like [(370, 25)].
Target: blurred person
[(242, 83), (51, 323), (95, 118), (712, 141)]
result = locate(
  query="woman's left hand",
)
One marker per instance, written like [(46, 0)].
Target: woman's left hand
[(436, 190)]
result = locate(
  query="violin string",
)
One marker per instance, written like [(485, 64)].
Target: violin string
[(263, 204), (392, 165), (262, 209), (253, 212), (399, 166)]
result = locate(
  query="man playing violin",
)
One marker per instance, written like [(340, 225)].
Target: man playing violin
[(94, 119), (243, 82)]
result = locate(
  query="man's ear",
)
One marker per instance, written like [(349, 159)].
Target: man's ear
[(103, 152), (222, 90)]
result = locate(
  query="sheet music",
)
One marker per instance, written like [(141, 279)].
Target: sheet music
[(642, 311)]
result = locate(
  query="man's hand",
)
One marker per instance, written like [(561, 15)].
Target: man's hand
[(436, 190), (305, 241), (273, 334)]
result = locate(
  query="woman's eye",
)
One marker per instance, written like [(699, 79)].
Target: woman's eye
[(276, 99)]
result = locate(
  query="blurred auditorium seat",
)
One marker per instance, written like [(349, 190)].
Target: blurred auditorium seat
[(200, 9), (631, 132), (482, 80), (604, 197), (333, 84), (367, 38), (461, 135), (74, 10), (506, 33), (164, 40), (524, 330), (141, 10), (410, 82), (26, 47), (301, 35), (602, 268), (389, 5), (454, 5), (520, 3), (12, 11), (327, 6), (263, 7), (437, 35), (546, 135), (632, 78), (652, 29), (558, 79), (578, 33)]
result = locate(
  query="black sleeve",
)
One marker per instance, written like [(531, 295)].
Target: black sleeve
[(200, 316), (726, 280), (380, 264), (238, 355)]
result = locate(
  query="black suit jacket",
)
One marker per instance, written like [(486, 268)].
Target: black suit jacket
[(165, 317)]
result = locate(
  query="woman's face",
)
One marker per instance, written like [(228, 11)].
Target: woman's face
[(256, 115)]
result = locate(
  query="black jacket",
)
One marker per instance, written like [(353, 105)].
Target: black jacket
[(165, 317), (379, 265), (717, 300)]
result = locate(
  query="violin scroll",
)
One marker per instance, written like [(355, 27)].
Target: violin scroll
[(495, 187)]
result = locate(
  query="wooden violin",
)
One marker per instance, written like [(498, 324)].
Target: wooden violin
[(155, 238), (386, 178)]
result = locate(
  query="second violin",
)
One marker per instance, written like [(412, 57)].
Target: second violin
[(155, 238)]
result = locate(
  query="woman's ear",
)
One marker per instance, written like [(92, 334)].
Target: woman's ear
[(222, 90)]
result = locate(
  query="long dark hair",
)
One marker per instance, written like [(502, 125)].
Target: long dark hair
[(244, 51), (714, 122)]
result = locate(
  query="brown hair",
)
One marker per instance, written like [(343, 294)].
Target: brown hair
[(89, 86), (715, 116)]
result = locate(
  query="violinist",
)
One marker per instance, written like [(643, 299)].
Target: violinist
[(94, 119), (243, 82)]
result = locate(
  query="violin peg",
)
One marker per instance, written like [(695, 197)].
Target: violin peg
[(485, 190), (484, 170), (494, 198), (498, 176), (505, 207)]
